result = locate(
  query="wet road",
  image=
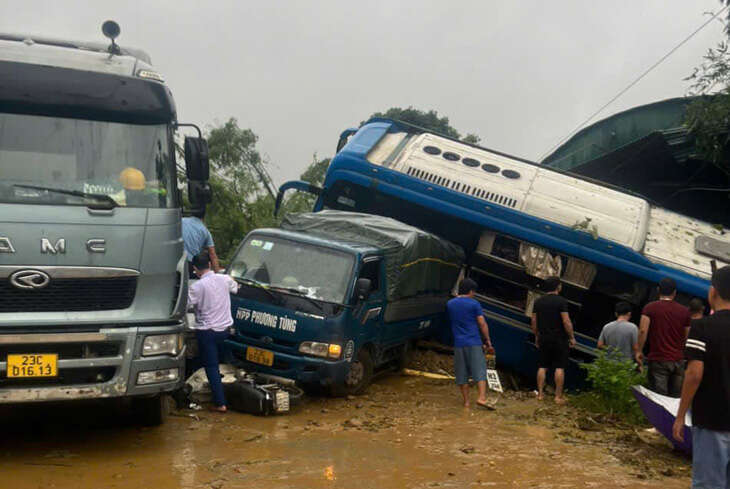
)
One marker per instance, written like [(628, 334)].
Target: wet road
[(406, 432)]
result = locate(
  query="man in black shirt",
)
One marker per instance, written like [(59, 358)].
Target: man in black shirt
[(707, 388), (553, 336)]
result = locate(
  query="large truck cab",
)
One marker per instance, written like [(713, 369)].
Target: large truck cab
[(92, 268), (329, 300)]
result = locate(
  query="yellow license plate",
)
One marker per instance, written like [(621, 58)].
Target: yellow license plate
[(262, 357), (33, 365)]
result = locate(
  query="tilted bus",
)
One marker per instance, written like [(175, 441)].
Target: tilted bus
[(520, 222)]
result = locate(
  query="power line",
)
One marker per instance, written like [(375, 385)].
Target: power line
[(630, 85)]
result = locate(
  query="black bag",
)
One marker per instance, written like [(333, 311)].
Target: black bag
[(247, 396)]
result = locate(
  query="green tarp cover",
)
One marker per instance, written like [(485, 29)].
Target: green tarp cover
[(417, 262)]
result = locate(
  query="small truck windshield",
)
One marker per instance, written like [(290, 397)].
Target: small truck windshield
[(313, 271)]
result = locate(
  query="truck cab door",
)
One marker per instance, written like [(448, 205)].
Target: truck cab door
[(372, 308)]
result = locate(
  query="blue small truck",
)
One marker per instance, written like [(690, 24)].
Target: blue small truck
[(331, 297)]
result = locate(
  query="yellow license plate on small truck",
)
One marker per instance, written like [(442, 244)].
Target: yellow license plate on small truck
[(262, 357), (29, 365)]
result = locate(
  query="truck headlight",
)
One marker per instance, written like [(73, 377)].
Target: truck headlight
[(162, 344), (318, 349)]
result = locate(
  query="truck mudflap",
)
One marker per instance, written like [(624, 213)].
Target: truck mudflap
[(304, 370), (90, 365)]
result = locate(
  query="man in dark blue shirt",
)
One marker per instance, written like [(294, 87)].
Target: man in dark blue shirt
[(467, 319)]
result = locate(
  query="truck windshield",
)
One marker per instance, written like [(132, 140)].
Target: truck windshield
[(313, 271), (51, 160)]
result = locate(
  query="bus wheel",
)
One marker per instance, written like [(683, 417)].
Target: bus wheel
[(150, 411), (359, 377)]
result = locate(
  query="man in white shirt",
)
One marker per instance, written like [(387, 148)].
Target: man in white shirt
[(210, 296)]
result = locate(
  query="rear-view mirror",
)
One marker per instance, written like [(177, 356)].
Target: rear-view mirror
[(199, 193), (197, 166), (362, 289)]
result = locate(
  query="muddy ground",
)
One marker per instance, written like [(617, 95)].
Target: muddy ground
[(404, 432)]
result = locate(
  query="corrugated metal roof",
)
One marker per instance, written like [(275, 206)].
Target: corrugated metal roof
[(624, 128)]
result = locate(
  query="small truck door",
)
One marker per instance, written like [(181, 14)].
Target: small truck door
[(372, 309)]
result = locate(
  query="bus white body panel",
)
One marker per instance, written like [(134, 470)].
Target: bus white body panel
[(671, 241), (663, 237)]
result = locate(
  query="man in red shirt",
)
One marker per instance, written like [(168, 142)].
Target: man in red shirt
[(666, 323)]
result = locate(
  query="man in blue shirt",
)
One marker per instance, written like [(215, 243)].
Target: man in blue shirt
[(197, 239), (467, 320)]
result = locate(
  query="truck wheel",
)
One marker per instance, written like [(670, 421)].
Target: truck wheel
[(359, 376), (151, 411)]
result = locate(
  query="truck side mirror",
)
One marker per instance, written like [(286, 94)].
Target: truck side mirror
[(199, 193), (362, 289), (197, 166)]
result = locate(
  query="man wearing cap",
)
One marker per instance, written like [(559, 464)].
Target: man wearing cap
[(665, 322)]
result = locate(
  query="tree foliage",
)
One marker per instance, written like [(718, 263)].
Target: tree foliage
[(428, 120), (243, 193), (235, 159), (708, 116)]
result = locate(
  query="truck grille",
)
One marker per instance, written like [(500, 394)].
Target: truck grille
[(70, 295)]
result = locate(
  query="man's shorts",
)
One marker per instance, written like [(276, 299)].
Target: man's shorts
[(469, 361), (553, 354)]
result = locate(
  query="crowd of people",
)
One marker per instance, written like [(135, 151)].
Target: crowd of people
[(688, 357)]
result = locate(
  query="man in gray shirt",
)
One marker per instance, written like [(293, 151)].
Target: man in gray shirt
[(621, 335)]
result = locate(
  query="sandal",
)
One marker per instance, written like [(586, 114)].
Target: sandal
[(487, 405)]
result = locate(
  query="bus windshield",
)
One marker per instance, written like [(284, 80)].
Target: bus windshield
[(52, 160), (313, 271)]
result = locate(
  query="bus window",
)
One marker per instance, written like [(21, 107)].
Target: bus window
[(578, 272), (507, 249), (496, 289)]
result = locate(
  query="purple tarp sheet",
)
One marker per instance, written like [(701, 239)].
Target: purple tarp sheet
[(661, 412)]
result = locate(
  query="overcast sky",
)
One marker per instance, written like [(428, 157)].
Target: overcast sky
[(520, 74)]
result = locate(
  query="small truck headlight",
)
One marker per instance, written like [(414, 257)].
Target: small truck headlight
[(318, 349)]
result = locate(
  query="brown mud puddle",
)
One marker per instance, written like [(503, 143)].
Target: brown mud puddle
[(405, 432)]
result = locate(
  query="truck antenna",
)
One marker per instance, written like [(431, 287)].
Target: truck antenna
[(111, 30)]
